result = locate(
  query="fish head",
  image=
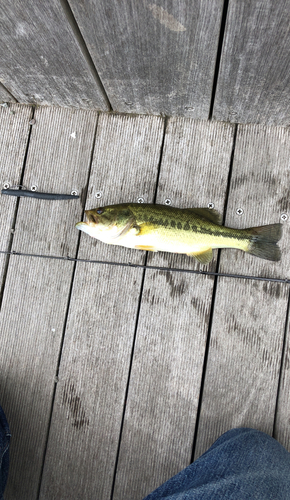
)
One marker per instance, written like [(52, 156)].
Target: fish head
[(106, 222)]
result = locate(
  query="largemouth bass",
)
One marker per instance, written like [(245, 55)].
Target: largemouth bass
[(191, 231)]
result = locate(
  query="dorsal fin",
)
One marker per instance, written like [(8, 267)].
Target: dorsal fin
[(206, 213)]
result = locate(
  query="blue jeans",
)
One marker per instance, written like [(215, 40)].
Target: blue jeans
[(4, 451), (243, 464)]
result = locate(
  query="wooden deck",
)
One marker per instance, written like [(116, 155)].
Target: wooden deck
[(118, 367)]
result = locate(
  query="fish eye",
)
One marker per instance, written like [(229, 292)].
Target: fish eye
[(100, 211)]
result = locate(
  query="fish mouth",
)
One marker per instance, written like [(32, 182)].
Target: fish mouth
[(81, 225)]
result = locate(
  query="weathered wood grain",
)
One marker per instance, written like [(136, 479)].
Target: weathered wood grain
[(254, 78), (37, 290), (93, 375), (173, 323), (95, 360), (58, 161), (31, 325), (242, 372), (260, 186), (153, 58), (125, 168), (281, 429), (244, 359), (5, 97), (14, 131), (41, 60), (165, 381)]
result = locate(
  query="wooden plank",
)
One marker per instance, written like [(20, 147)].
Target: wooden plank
[(244, 359), (61, 143), (5, 97), (37, 290), (14, 131), (242, 373), (281, 429), (95, 361), (31, 325), (173, 323), (254, 82), (42, 61), (260, 186), (157, 58), (90, 395)]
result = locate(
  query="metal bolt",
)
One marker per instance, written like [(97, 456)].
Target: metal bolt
[(32, 122), (211, 205), (98, 194), (34, 187), (239, 211), (167, 201), (74, 192), (140, 200), (6, 185), (284, 217)]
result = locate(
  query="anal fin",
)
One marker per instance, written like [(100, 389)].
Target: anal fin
[(146, 247), (203, 257)]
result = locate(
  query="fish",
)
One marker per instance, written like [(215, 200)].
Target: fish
[(191, 231)]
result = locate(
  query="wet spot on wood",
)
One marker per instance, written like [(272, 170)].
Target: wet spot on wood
[(272, 289), (177, 289), (73, 403)]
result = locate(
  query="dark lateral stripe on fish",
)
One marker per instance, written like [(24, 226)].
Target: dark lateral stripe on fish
[(196, 229), (217, 232)]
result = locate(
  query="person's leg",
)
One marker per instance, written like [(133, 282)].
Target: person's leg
[(243, 464), (4, 451)]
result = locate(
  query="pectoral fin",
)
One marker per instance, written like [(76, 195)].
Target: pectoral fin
[(203, 257), (124, 230)]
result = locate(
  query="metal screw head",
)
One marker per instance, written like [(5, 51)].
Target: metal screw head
[(98, 195), (167, 201), (74, 192), (6, 185), (34, 187), (211, 205), (140, 200), (284, 217), (239, 211)]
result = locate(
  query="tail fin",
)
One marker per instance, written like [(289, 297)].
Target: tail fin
[(263, 242)]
